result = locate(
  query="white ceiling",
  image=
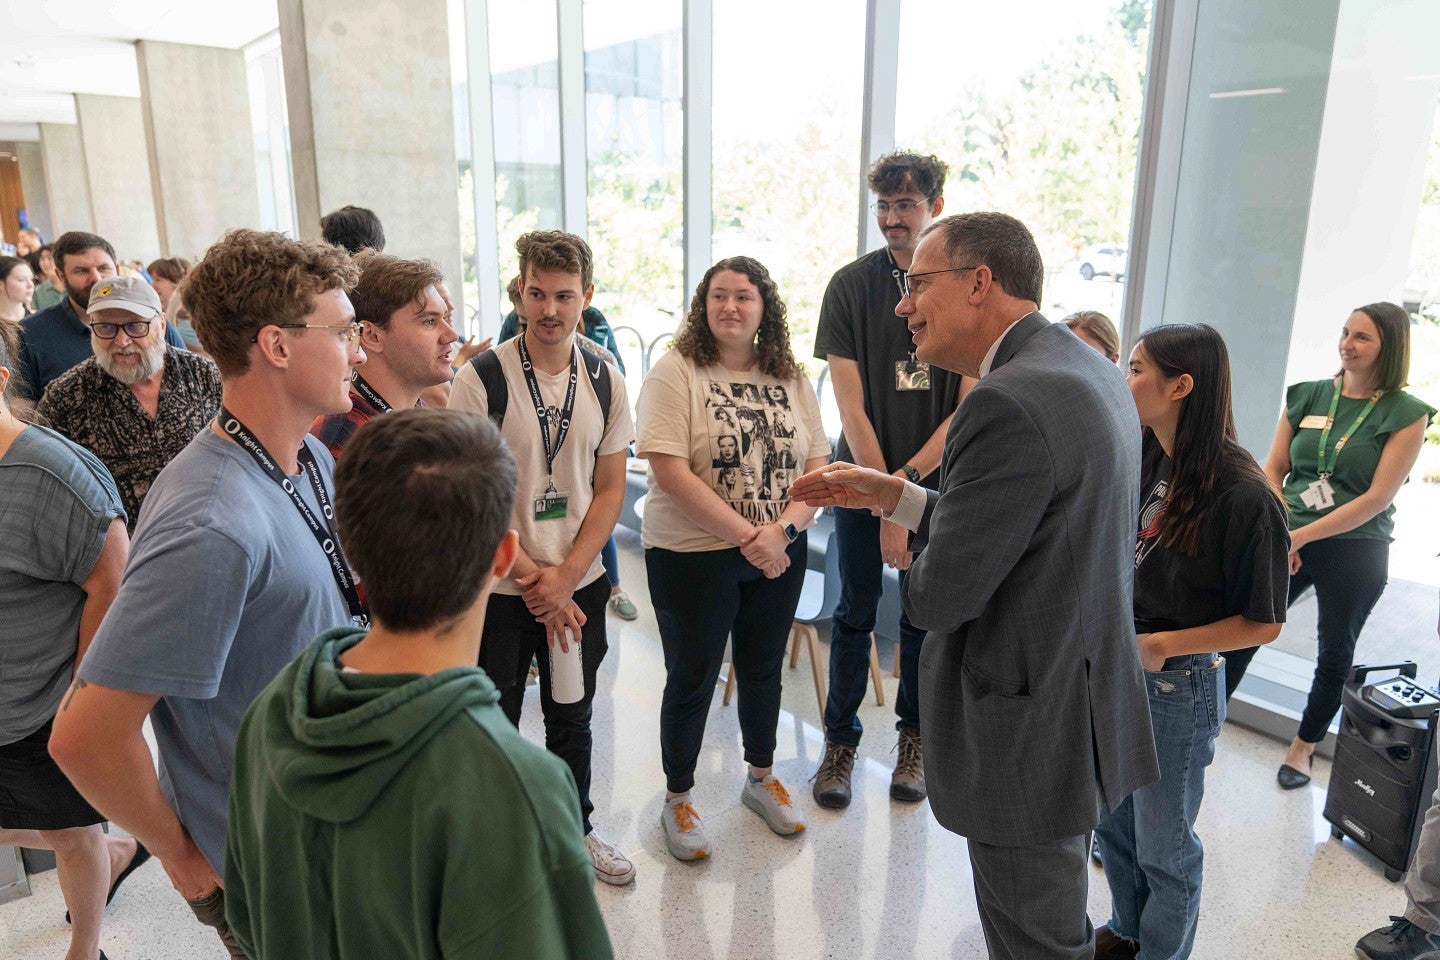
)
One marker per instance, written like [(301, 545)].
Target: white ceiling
[(50, 49)]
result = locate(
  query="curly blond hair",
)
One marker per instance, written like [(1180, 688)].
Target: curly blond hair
[(249, 280), (695, 342)]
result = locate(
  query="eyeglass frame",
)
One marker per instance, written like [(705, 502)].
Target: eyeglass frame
[(875, 210), (905, 279), (123, 326), (357, 328)]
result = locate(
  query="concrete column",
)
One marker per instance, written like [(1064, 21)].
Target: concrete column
[(377, 138), (196, 107), (37, 198), (66, 183), (112, 136)]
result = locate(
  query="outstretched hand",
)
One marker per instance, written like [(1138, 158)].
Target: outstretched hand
[(843, 484)]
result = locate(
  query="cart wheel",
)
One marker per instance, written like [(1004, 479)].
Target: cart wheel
[(1393, 875), (1337, 833)]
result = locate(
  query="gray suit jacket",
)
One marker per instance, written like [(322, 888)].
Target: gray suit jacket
[(1032, 700)]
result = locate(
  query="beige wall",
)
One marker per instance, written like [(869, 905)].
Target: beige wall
[(66, 183), (196, 107), (112, 138), (37, 197)]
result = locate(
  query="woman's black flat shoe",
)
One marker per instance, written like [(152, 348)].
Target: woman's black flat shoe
[(1290, 778)]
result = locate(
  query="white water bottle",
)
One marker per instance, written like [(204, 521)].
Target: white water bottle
[(567, 678)]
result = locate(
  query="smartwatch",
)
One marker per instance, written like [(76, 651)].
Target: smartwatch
[(791, 533), (911, 473)]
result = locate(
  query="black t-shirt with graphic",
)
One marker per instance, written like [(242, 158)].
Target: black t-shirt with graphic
[(1241, 565)]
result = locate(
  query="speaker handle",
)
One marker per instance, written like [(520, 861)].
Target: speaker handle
[(1407, 668)]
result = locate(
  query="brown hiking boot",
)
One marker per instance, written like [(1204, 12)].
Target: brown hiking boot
[(908, 781), (832, 780)]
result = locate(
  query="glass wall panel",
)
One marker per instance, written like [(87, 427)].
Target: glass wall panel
[(788, 96), (634, 137), (270, 126), (1040, 118)]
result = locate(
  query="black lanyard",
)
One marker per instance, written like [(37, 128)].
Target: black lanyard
[(368, 392), (898, 275), (563, 429), (324, 534)]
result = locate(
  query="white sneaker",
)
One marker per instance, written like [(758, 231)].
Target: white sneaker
[(771, 800), (684, 830), (611, 866)]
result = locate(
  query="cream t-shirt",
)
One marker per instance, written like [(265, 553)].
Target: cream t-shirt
[(746, 434), (547, 542)]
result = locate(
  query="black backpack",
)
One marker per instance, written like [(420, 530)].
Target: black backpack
[(497, 392)]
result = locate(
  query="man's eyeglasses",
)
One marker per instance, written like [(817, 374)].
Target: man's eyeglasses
[(907, 291), (352, 330), (881, 208), (134, 329)]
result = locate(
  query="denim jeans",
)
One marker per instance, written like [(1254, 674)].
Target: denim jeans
[(610, 557), (857, 538), (1153, 859)]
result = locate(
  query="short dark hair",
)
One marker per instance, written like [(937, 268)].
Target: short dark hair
[(387, 283), (903, 170), (998, 241), (423, 498), (77, 242), (354, 228), (555, 250), (169, 268), (1392, 367)]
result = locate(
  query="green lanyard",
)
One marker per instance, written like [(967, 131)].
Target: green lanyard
[(1330, 421)]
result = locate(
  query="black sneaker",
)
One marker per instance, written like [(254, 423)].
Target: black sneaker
[(1402, 940), (832, 780)]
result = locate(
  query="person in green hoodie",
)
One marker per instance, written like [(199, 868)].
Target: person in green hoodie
[(382, 805)]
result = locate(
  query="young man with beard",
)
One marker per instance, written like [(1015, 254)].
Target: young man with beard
[(407, 337), (570, 451), (54, 340), (138, 401), (235, 566)]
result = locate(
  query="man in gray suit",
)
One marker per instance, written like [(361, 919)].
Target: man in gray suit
[(1033, 704)]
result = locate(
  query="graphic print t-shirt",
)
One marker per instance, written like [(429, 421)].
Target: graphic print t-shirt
[(747, 436)]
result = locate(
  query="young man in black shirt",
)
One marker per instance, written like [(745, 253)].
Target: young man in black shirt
[(894, 413)]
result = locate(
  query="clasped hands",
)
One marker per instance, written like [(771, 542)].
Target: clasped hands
[(764, 547), (549, 595)]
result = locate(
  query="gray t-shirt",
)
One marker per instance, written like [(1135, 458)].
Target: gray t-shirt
[(57, 502), (225, 586)]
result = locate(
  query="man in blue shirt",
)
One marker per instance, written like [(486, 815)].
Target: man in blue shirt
[(54, 340)]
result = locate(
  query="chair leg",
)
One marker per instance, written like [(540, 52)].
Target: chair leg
[(729, 685), (794, 645), (812, 645), (875, 673), (895, 667)]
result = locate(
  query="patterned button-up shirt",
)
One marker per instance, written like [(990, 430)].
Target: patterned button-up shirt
[(101, 414)]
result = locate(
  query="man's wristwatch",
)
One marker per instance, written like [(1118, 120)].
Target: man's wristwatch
[(791, 532), (911, 473)]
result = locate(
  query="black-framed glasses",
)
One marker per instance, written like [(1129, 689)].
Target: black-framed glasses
[(906, 291), (134, 329), (882, 208), (352, 329)]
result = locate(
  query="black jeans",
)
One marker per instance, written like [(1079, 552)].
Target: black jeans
[(1348, 577), (512, 638), (700, 599)]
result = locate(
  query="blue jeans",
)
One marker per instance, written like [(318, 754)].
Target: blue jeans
[(1153, 859), (857, 538), (611, 559)]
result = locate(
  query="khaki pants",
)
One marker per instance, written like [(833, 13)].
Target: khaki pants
[(210, 910)]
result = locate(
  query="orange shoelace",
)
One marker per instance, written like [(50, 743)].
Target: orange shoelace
[(777, 790), (685, 817)]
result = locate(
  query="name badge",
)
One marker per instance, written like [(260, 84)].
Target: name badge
[(1316, 421), (912, 375), (1319, 495), (551, 506)]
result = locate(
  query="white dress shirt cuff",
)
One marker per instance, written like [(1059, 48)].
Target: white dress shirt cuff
[(911, 508)]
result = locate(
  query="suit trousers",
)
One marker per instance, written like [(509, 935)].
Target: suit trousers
[(1033, 899), (512, 638)]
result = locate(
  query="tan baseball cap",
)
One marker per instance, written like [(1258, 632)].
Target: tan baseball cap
[(125, 293)]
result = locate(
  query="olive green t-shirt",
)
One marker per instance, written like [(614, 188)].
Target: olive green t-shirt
[(1355, 466)]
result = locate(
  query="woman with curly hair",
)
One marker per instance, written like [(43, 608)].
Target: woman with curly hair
[(725, 558)]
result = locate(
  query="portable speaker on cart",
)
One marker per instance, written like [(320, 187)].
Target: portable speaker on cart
[(1385, 764)]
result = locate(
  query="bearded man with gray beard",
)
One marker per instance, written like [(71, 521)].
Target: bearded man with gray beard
[(138, 401)]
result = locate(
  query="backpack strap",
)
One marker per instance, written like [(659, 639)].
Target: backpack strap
[(600, 380), (497, 393)]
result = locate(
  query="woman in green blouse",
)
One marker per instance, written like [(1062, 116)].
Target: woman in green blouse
[(1342, 450)]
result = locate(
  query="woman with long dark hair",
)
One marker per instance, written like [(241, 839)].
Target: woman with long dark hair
[(724, 543), (1343, 449), (1211, 570)]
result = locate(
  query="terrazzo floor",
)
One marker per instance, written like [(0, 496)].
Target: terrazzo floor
[(880, 879)]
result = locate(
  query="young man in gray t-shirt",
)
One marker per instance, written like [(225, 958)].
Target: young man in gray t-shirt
[(235, 568)]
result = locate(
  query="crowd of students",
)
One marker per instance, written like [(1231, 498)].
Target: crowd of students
[(336, 591)]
